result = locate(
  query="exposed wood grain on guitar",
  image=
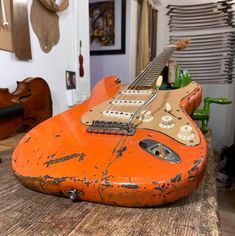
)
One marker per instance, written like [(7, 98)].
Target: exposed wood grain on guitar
[(25, 212)]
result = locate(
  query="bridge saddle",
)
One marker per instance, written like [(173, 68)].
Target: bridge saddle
[(111, 127)]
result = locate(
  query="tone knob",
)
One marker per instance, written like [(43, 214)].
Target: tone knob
[(186, 132), (167, 122), (146, 116)]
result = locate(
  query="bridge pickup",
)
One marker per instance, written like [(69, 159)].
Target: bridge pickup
[(111, 127)]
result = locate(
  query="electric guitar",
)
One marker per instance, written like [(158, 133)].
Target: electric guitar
[(127, 145)]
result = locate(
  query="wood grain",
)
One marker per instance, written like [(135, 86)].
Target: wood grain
[(6, 35), (25, 212)]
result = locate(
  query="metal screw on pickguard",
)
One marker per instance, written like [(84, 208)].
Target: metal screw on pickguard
[(72, 194)]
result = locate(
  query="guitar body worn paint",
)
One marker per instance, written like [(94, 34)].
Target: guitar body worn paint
[(154, 165)]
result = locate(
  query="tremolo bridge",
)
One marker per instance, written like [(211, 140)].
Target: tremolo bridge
[(111, 127)]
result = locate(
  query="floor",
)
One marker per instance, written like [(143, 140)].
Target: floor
[(226, 199), (226, 202), (10, 143)]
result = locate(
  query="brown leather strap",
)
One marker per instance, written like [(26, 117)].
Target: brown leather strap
[(21, 37), (45, 24)]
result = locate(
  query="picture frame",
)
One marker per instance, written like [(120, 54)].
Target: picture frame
[(107, 27), (70, 80)]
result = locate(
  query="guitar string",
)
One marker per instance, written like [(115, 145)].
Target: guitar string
[(140, 81), (144, 82), (134, 84), (154, 71), (139, 77), (162, 58)]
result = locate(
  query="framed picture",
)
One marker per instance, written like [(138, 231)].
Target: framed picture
[(107, 26), (70, 79)]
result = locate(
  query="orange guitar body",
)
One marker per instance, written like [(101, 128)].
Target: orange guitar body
[(60, 157)]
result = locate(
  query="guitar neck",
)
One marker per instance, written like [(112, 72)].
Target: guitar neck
[(147, 78)]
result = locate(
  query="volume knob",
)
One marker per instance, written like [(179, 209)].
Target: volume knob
[(186, 133), (167, 122)]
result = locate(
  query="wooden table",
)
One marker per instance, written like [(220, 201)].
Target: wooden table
[(25, 212)]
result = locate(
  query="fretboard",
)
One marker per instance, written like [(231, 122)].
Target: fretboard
[(148, 77)]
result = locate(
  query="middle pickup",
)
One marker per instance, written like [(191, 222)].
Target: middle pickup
[(128, 102)]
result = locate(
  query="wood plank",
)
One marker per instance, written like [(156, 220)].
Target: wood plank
[(6, 35), (11, 142)]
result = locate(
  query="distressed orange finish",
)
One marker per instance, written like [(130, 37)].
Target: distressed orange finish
[(59, 155)]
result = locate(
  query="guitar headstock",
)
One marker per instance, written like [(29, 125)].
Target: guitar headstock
[(183, 43)]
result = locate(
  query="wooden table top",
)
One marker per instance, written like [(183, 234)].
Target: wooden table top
[(25, 212)]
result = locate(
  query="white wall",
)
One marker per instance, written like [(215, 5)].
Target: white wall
[(222, 117), (122, 65), (62, 57)]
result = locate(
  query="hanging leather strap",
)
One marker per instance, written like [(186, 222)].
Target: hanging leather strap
[(53, 6), (45, 25), (21, 37)]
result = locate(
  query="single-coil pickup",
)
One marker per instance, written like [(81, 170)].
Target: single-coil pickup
[(136, 92), (128, 102), (117, 114)]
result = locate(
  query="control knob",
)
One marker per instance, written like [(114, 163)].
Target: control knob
[(167, 122), (186, 133)]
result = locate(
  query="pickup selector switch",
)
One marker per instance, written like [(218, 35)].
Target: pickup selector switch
[(168, 107), (186, 133), (167, 122)]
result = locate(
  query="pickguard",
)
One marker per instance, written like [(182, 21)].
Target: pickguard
[(178, 115)]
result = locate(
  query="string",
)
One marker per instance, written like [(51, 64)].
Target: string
[(140, 81), (168, 50)]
